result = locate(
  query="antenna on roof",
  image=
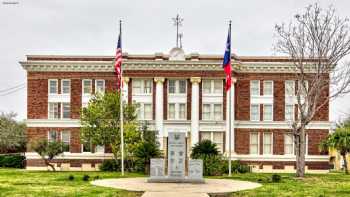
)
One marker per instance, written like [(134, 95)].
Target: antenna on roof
[(177, 22)]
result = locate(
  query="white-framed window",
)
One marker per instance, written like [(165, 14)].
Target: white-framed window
[(86, 147), (212, 86), (147, 87), (289, 88), (53, 86), (212, 111), (65, 139), (99, 149), (268, 88), (255, 88), (268, 112), (87, 86), (53, 111), (254, 143), (65, 110), (289, 112), (171, 111), (306, 144), (288, 144), (177, 86), (52, 136), (216, 137), (267, 143), (65, 86), (136, 86), (147, 111), (303, 88), (100, 86), (142, 86), (182, 111), (255, 112)]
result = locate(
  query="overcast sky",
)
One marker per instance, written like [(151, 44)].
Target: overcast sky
[(82, 27)]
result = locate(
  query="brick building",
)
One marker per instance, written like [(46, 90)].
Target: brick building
[(176, 93)]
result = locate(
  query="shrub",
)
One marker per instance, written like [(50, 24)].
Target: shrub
[(110, 165), (71, 177), (275, 178), (96, 177), (205, 147), (86, 177), (144, 152), (236, 167), (12, 161)]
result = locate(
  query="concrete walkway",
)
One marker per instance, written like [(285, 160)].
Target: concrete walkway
[(211, 186)]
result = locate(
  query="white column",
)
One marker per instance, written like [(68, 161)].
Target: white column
[(195, 110), (227, 143), (125, 89), (159, 109)]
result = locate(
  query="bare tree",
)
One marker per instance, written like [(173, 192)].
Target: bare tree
[(317, 42)]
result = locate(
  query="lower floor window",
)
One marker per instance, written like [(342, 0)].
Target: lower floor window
[(254, 143), (216, 137), (52, 136), (267, 143), (65, 139), (288, 144), (86, 147)]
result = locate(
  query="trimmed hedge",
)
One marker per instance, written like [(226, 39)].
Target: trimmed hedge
[(12, 161)]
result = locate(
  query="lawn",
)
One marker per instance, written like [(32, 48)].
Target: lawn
[(14, 182)]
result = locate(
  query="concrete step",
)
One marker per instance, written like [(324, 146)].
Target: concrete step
[(174, 194)]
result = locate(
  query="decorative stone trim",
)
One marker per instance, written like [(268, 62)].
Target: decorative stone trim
[(159, 79), (195, 79)]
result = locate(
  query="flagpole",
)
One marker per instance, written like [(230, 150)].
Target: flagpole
[(229, 123), (121, 109)]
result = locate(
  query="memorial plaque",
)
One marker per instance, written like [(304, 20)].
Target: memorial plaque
[(157, 168), (195, 169), (176, 154)]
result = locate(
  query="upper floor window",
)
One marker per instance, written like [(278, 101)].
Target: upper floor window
[(268, 88), (144, 111), (87, 86), (254, 143), (65, 139), (289, 88), (177, 111), (140, 86), (65, 86), (177, 86), (216, 137), (255, 87), (303, 87), (212, 112), (212, 86), (267, 146), (289, 112), (288, 144), (52, 136), (53, 86), (268, 112), (99, 86), (65, 110), (53, 111), (255, 112)]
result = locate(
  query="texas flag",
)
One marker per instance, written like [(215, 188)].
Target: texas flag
[(227, 61)]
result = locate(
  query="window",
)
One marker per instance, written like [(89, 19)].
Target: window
[(99, 149), (53, 111), (52, 136), (255, 88), (65, 139), (206, 86), (182, 111), (254, 143), (86, 147), (147, 87), (218, 86), (171, 111), (65, 86), (53, 86), (217, 112), (267, 112), (255, 112), (136, 86), (177, 86), (100, 86), (206, 112), (268, 88), (288, 144), (303, 88), (87, 86), (267, 143), (182, 86), (65, 110), (216, 137), (147, 111), (289, 88), (289, 112)]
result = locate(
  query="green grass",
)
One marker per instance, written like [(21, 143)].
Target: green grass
[(14, 182)]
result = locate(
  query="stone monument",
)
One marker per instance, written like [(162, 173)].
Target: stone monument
[(176, 163)]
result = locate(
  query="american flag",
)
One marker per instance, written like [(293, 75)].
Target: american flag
[(118, 63)]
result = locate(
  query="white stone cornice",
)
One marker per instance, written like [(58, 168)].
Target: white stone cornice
[(159, 79), (195, 80), (126, 79)]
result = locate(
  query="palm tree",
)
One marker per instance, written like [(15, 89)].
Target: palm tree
[(205, 147), (340, 141)]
